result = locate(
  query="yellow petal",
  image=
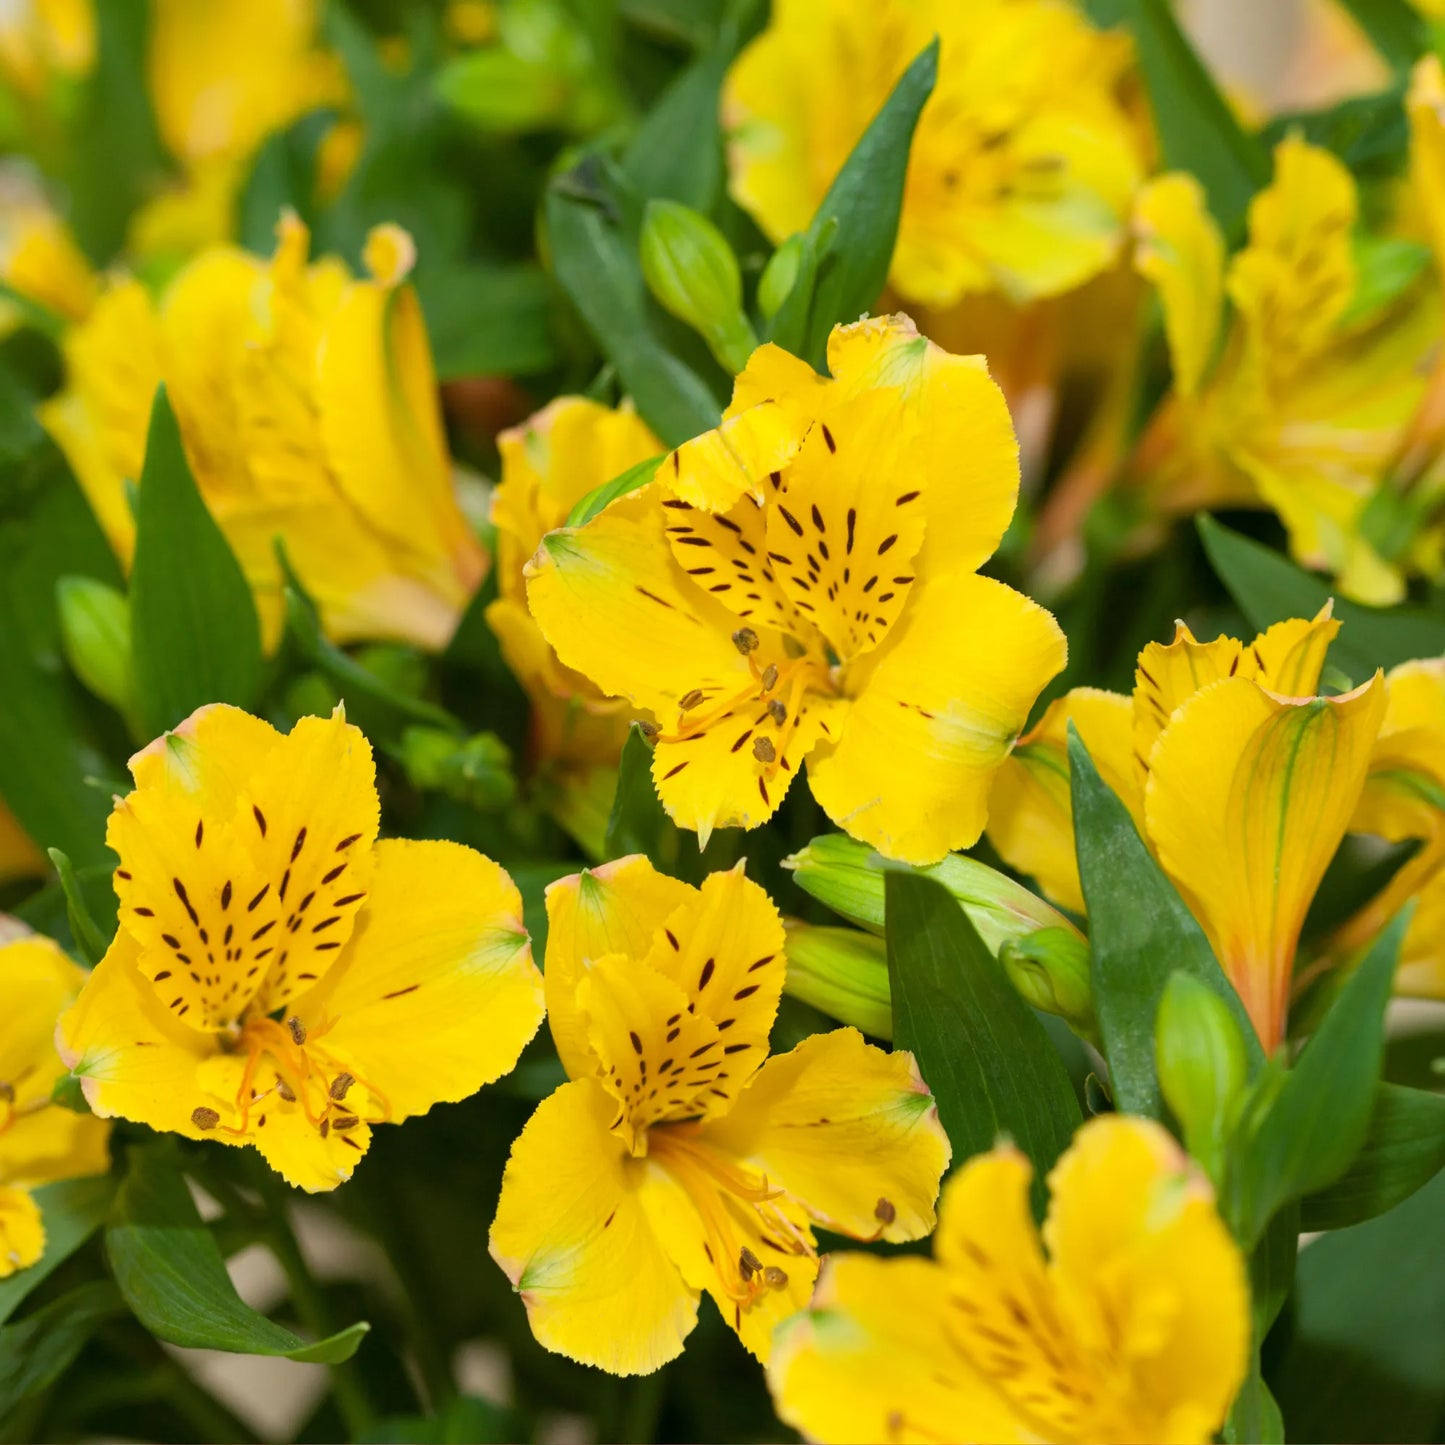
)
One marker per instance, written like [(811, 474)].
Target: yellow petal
[(872, 1359), (1290, 656), (1425, 107), (1030, 809), (850, 1131), (37, 1143), (934, 712), (617, 908), (1145, 1269), (1404, 795), (40, 260), (1179, 249), (572, 1235), (946, 407), (715, 471), (436, 994), (1249, 795), (22, 1234), (1168, 674), (19, 857)]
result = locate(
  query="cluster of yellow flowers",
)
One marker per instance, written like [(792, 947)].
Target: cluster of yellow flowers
[(799, 589)]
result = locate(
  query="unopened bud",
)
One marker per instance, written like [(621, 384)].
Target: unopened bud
[(1050, 968), (1199, 1052), (779, 276), (842, 972), (95, 637), (476, 771), (691, 270)]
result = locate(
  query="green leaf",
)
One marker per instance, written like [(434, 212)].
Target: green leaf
[(1366, 1359), (1305, 1130), (1140, 932), (632, 480), (468, 1420), (172, 1274), (488, 320), (1198, 131), (87, 936), (194, 634), (1254, 1418), (37, 1350), (594, 220), (1393, 27), (72, 1210), (990, 1064), (1385, 268), (1270, 588), (1369, 133), (1404, 1149), (863, 204)]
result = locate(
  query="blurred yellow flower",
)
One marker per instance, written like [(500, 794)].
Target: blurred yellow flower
[(308, 407), (679, 1157), (1404, 797), (1134, 1326), (801, 583), (40, 261), (281, 978), (1023, 164), (1241, 781), (39, 1141), (1306, 402), (42, 39), (549, 464), (19, 857)]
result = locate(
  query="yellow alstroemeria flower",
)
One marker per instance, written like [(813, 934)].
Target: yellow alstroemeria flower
[(1134, 1326), (801, 583), (39, 1141), (1241, 781), (43, 39), (549, 464), (281, 978), (40, 260), (1023, 164), (308, 407), (1304, 407), (1404, 797), (680, 1158)]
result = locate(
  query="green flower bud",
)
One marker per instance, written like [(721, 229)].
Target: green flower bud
[(476, 771), (1202, 1066), (691, 270), (1050, 969), (843, 973), (779, 275), (95, 637)]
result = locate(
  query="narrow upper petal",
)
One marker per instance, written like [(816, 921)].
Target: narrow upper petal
[(934, 712)]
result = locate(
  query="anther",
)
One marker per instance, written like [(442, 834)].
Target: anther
[(749, 1264), (286, 1091), (884, 1212), (690, 699), (774, 1277), (7, 1093), (339, 1085), (777, 711), (745, 640), (648, 730), (770, 677), (763, 750), (204, 1118), (346, 1121), (298, 1029)]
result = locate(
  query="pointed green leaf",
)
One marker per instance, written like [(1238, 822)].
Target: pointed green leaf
[(87, 936), (172, 1274), (1140, 932), (194, 634), (991, 1066), (36, 1351), (632, 480)]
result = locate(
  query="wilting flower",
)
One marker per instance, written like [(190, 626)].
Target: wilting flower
[(549, 464), (41, 40), (1404, 798), (1241, 781), (1307, 401), (801, 583), (1133, 1327), (39, 1141), (281, 978), (680, 1158), (308, 408), (1023, 164)]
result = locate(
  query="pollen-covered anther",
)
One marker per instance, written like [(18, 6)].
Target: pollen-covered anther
[(884, 1211), (339, 1085), (649, 730), (204, 1118), (775, 1278), (745, 640), (7, 1092), (285, 1090), (770, 677), (690, 699), (298, 1030), (749, 1264), (778, 711), (764, 751), (345, 1122)]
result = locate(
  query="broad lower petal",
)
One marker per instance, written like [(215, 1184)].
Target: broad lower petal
[(848, 1130), (934, 713), (872, 1359), (572, 1235), (22, 1232), (1248, 797)]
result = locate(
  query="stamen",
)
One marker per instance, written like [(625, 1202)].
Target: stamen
[(884, 1211), (204, 1118), (763, 750), (778, 711), (749, 1264), (770, 677), (775, 1278), (298, 1029), (745, 640), (690, 700), (339, 1085)]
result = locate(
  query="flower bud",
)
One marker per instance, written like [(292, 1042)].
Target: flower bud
[(691, 270), (843, 973), (779, 275), (476, 771), (95, 637), (1050, 968), (1202, 1066)]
